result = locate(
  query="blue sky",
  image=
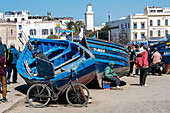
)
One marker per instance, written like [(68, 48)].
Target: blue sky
[(77, 8)]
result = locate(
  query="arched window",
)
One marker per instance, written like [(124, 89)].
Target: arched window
[(11, 32), (166, 22), (166, 33), (159, 22), (150, 22), (151, 33), (159, 33)]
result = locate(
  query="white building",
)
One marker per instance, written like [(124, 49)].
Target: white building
[(154, 23), (35, 26), (89, 18), (16, 16), (96, 28), (159, 21)]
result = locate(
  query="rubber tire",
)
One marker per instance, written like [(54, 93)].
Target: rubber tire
[(39, 85), (79, 85)]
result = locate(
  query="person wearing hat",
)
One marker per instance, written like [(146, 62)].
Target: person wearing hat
[(110, 75), (142, 63), (40, 55), (15, 56)]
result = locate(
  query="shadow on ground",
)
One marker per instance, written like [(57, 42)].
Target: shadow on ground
[(22, 89)]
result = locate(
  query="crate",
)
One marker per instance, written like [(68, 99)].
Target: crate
[(106, 85)]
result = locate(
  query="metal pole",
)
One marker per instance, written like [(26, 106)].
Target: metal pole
[(72, 37), (109, 35), (97, 34)]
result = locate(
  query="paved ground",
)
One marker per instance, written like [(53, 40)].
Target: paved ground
[(15, 93), (132, 99)]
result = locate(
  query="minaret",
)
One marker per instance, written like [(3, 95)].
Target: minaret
[(89, 18)]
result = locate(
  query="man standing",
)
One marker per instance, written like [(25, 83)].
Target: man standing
[(110, 75), (2, 77), (142, 63), (15, 55)]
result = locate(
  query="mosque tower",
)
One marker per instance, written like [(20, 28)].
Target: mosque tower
[(89, 18)]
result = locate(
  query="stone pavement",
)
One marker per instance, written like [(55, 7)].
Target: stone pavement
[(15, 94), (132, 99)]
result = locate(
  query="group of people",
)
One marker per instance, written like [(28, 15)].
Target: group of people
[(142, 58), (8, 59)]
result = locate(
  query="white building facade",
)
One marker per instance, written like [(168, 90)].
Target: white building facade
[(89, 18), (153, 24), (159, 21), (34, 26)]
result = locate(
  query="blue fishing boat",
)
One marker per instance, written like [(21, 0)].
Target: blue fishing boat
[(104, 52), (164, 50), (63, 55)]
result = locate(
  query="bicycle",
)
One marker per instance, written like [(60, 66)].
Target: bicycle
[(39, 95)]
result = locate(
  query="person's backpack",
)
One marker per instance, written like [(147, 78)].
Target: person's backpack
[(8, 56)]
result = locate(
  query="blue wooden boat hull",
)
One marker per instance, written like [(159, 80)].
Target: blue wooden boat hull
[(64, 55), (104, 52), (164, 50)]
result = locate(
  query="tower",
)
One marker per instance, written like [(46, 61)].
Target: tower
[(89, 18)]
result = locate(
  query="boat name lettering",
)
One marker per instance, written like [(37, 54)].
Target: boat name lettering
[(99, 50), (167, 47), (166, 53)]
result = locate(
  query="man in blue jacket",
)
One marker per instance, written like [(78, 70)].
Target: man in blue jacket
[(15, 55), (110, 75)]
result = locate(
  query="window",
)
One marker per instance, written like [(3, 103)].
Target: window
[(151, 33), (159, 33), (20, 26), (166, 33), (166, 22), (32, 32), (15, 19), (51, 31), (20, 35), (142, 25), (135, 25), (158, 22), (142, 35), (150, 22), (11, 32), (44, 31), (122, 27), (128, 25), (8, 20), (136, 35)]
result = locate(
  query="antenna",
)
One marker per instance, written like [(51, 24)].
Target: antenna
[(109, 16)]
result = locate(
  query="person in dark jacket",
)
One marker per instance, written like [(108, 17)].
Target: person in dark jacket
[(2, 48), (110, 75), (15, 55), (132, 61), (40, 55)]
